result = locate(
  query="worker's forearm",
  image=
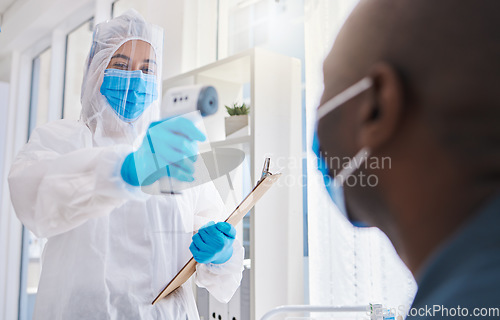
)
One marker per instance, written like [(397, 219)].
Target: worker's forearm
[(53, 193)]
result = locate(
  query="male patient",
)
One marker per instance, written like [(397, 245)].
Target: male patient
[(430, 100)]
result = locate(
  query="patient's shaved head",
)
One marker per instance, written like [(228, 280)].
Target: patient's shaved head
[(447, 54)]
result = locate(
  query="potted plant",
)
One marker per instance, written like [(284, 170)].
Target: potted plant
[(238, 118)]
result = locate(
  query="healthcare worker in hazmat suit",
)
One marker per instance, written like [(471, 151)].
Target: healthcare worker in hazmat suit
[(111, 248)]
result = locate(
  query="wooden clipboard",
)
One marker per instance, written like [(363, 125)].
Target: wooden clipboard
[(263, 185)]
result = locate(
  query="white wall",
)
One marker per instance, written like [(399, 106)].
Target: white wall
[(190, 31), (4, 102), (5, 62), (26, 22)]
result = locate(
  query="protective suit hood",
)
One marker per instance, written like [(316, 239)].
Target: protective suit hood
[(107, 128)]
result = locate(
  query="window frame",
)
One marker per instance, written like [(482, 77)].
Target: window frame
[(92, 22), (23, 270)]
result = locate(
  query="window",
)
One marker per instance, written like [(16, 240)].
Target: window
[(120, 6), (40, 83), (275, 25), (78, 44), (248, 24)]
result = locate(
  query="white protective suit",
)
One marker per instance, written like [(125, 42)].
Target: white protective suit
[(111, 248)]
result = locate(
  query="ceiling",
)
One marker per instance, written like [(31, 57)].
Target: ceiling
[(5, 4)]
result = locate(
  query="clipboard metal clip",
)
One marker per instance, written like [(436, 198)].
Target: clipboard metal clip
[(266, 181), (265, 170)]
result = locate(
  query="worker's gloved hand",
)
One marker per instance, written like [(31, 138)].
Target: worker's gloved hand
[(213, 243), (170, 145)]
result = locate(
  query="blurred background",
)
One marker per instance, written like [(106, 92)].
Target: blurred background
[(265, 53)]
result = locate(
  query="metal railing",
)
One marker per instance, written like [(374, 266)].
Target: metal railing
[(307, 308)]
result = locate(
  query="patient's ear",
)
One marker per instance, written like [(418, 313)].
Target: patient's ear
[(381, 113)]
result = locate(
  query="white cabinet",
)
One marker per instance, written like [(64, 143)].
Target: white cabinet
[(271, 84)]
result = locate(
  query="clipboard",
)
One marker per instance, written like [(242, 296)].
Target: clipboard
[(263, 185)]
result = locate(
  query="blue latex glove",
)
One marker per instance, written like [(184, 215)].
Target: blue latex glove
[(213, 243), (169, 148)]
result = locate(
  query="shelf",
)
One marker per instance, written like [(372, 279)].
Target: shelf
[(234, 69), (232, 77), (271, 84), (231, 142)]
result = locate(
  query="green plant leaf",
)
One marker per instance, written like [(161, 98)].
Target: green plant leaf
[(237, 110)]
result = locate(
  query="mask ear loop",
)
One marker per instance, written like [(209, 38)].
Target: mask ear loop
[(346, 95), (343, 97), (353, 165)]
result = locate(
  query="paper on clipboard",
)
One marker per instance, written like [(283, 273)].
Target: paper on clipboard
[(263, 185)]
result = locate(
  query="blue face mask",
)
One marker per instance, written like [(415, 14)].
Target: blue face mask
[(334, 185), (129, 93)]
